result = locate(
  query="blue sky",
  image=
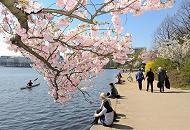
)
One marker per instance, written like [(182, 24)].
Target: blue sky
[(141, 27)]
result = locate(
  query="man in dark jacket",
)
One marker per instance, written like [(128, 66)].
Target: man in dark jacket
[(161, 78), (139, 78), (150, 79)]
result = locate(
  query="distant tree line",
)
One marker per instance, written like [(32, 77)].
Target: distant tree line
[(172, 40), (9, 61)]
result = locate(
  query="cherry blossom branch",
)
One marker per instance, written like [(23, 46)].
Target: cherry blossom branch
[(85, 51), (65, 13), (52, 53), (100, 9), (19, 14), (16, 41), (75, 8), (83, 92)]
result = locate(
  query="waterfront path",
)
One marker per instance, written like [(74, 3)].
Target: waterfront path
[(142, 110)]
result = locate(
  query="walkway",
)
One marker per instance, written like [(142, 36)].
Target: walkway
[(142, 110)]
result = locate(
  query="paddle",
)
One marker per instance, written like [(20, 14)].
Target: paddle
[(35, 79)]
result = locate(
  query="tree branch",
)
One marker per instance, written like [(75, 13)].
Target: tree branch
[(17, 41), (66, 13), (19, 14)]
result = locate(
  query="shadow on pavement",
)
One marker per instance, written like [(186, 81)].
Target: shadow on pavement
[(122, 97), (173, 92), (122, 127), (177, 92), (121, 116)]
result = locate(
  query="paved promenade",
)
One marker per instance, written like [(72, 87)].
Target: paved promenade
[(142, 110)]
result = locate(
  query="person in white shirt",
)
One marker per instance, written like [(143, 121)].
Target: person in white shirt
[(105, 113)]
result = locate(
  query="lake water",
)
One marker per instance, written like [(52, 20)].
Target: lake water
[(35, 109)]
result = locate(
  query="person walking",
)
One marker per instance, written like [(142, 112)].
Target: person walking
[(161, 78), (150, 79), (139, 78)]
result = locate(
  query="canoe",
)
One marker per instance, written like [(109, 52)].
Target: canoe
[(30, 87)]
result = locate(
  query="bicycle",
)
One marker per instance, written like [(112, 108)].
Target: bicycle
[(129, 77)]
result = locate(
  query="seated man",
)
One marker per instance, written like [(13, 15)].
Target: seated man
[(120, 75), (119, 79), (105, 113), (29, 85), (114, 92)]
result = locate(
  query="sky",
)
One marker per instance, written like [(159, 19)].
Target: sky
[(141, 27), (4, 51)]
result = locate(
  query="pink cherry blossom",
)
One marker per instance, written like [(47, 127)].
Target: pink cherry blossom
[(70, 46), (63, 22), (61, 3), (84, 2), (21, 31)]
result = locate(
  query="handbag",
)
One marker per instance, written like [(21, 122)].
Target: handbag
[(167, 83), (158, 84)]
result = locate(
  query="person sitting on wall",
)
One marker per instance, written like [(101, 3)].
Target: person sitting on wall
[(120, 75), (119, 80), (105, 113), (114, 92)]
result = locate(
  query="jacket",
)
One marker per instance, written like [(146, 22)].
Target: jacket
[(161, 76), (139, 76), (150, 76)]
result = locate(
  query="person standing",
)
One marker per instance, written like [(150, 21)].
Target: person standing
[(150, 79), (139, 78), (161, 78)]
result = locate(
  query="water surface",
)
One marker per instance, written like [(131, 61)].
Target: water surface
[(35, 109)]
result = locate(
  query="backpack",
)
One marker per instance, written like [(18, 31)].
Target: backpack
[(139, 76)]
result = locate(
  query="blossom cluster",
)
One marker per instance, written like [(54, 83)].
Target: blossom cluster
[(66, 53), (175, 50), (148, 55)]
